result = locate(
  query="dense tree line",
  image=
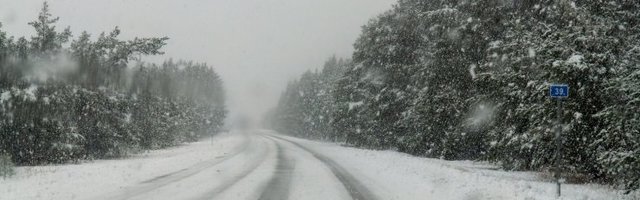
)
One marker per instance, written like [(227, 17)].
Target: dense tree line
[(469, 80), (305, 108), (64, 99)]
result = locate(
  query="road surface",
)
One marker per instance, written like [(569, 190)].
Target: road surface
[(263, 166)]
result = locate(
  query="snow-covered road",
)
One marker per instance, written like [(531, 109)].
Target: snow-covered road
[(260, 164)]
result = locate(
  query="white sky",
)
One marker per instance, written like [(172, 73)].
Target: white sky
[(257, 46)]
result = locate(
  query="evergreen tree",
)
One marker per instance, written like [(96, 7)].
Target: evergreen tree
[(101, 110), (469, 80)]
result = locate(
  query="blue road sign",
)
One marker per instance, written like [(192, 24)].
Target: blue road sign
[(559, 91)]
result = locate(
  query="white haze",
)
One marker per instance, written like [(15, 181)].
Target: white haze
[(255, 45), (57, 66), (482, 116)]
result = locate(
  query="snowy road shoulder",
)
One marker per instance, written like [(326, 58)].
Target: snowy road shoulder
[(94, 179), (394, 175)]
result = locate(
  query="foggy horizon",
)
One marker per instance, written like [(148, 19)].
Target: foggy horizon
[(255, 46)]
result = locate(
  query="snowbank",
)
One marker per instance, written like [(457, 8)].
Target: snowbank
[(396, 175)]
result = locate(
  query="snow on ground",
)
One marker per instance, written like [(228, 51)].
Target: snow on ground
[(84, 181), (244, 166), (394, 175), (314, 185)]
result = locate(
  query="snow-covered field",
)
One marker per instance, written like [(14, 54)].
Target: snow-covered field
[(259, 165)]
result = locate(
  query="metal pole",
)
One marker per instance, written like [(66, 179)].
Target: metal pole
[(558, 145)]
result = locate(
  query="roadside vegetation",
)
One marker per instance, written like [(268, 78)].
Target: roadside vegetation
[(65, 98), (469, 80)]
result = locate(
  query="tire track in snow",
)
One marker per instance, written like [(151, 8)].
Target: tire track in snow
[(213, 193), (356, 189), (278, 186), (166, 179)]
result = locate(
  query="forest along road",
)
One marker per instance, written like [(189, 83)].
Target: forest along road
[(262, 166)]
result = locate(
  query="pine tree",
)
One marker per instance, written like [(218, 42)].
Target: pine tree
[(96, 112), (47, 39)]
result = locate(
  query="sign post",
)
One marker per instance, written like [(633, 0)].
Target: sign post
[(558, 92)]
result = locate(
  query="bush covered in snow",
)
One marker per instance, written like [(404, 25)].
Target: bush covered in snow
[(6, 166), (469, 80)]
